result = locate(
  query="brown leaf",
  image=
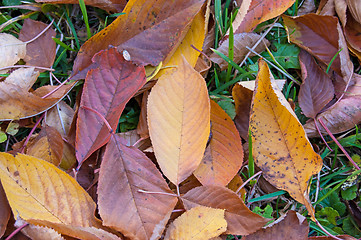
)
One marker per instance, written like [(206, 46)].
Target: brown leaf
[(109, 5), (40, 52), (224, 155), (292, 226), (280, 146), (241, 41), (242, 101), (240, 219), (260, 11), (143, 24), (12, 50), (107, 89), (4, 211), (316, 89), (353, 32), (48, 145), (355, 9), (60, 117), (142, 128), (124, 172), (343, 115), (235, 183), (308, 6)]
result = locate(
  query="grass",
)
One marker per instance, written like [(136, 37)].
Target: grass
[(328, 189)]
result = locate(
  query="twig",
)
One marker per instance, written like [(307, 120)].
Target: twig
[(41, 33), (325, 231), (248, 180), (163, 193), (56, 89), (27, 66), (338, 144), (319, 132)]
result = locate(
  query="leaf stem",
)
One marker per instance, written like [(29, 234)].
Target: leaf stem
[(162, 193), (56, 89), (27, 66), (325, 231), (338, 144), (41, 33), (16, 231), (323, 139), (31, 133), (101, 116), (248, 180)]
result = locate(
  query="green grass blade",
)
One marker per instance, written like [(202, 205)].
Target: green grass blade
[(229, 61), (333, 59), (85, 16), (267, 196), (57, 41)]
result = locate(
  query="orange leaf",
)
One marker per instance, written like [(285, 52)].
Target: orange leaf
[(179, 121), (240, 219), (224, 155), (279, 143), (198, 223), (35, 189), (124, 172)]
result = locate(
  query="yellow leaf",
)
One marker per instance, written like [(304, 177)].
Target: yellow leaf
[(280, 145), (37, 189), (198, 223), (179, 121)]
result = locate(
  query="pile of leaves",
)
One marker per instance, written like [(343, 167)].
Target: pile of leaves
[(185, 119)]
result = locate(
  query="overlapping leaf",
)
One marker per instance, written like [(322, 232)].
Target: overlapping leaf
[(12, 50), (198, 223), (4, 211), (224, 154), (179, 121), (240, 219), (36, 189), (279, 143), (149, 31), (107, 89), (124, 172)]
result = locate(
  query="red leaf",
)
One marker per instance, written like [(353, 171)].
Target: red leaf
[(107, 89)]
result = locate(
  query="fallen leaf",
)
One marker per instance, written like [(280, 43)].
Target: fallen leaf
[(4, 211), (240, 219), (126, 175), (260, 11), (24, 78), (355, 9), (308, 6), (224, 155), (279, 143), (60, 117), (292, 226), (35, 189), (109, 5), (142, 128), (343, 115), (242, 101), (241, 41), (234, 185), (12, 50), (143, 24), (322, 37), (106, 90), (38, 232), (48, 145), (198, 223), (42, 51), (352, 32), (316, 89), (179, 121)]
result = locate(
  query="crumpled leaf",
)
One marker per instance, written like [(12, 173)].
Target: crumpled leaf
[(109, 5), (316, 89), (241, 41), (179, 121), (143, 24), (240, 219), (124, 172), (260, 11), (42, 51), (224, 154), (107, 89), (198, 223), (35, 189), (12, 50), (343, 115), (291, 226), (279, 143)]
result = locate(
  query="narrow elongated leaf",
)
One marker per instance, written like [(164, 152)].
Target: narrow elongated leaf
[(107, 89), (179, 121), (279, 143), (148, 31), (224, 157), (240, 219), (124, 172), (37, 189), (198, 223)]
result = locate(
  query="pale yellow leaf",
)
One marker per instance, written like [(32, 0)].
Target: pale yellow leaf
[(179, 121), (23, 77), (198, 223), (11, 49), (37, 189)]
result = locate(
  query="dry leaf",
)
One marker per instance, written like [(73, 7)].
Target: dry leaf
[(4, 211), (179, 121), (38, 232), (35, 189), (241, 41), (240, 219), (291, 226), (224, 154), (24, 78), (12, 50), (199, 223), (124, 172), (109, 5), (60, 117), (142, 127), (355, 9), (279, 143)]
